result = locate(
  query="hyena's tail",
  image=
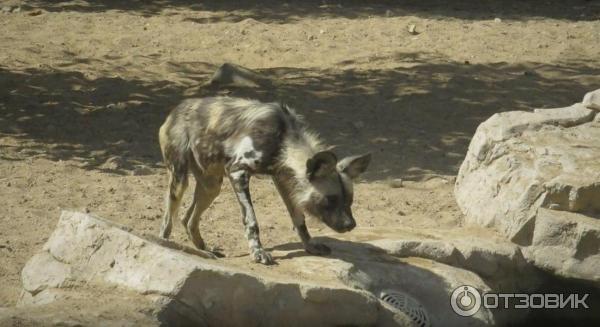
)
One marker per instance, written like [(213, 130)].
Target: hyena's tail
[(175, 149)]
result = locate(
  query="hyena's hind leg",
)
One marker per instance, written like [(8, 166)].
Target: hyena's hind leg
[(208, 187), (178, 181)]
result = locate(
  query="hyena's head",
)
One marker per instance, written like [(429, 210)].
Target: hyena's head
[(329, 196)]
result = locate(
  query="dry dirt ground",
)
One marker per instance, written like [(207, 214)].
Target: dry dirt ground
[(84, 86)]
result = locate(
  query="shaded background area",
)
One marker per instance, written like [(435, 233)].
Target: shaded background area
[(272, 11), (417, 121)]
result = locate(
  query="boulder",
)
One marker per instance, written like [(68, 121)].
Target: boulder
[(86, 254), (232, 75), (519, 162)]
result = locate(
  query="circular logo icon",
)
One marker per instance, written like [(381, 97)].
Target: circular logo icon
[(465, 300)]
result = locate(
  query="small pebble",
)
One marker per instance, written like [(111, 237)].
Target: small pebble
[(35, 12), (412, 29), (396, 183)]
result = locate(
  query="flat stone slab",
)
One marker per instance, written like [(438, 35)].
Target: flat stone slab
[(343, 289)]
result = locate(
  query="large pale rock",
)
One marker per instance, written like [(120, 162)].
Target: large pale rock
[(86, 252), (519, 162), (93, 251)]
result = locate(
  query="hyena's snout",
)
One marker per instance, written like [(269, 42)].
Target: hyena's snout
[(344, 223), (349, 225)]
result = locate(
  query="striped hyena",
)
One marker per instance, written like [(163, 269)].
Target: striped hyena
[(222, 136)]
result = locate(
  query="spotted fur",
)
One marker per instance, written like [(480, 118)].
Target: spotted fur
[(237, 138)]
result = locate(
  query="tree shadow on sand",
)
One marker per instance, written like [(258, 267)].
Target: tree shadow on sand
[(417, 120), (270, 11)]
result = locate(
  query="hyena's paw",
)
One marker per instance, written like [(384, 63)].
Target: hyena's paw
[(262, 256), (165, 232), (198, 242), (317, 249)]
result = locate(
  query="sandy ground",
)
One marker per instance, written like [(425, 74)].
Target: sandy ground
[(84, 86)]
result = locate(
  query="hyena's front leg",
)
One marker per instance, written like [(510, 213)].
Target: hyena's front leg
[(298, 219), (240, 180)]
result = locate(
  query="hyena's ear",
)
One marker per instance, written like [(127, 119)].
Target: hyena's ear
[(355, 165), (321, 164)]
